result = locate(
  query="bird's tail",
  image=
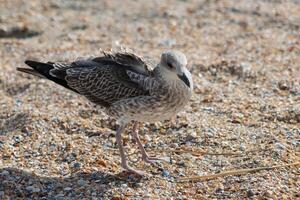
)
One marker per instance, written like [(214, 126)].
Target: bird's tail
[(43, 70), (38, 69)]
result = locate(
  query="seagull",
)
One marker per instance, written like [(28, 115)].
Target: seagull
[(126, 87)]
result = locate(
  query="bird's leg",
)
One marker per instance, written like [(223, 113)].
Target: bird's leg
[(122, 152), (145, 156)]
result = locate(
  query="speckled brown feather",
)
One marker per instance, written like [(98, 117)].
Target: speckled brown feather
[(103, 80), (103, 85)]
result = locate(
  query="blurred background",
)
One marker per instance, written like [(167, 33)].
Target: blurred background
[(244, 56)]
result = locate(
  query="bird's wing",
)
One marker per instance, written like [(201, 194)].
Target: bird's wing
[(103, 80), (139, 70), (103, 84), (132, 61)]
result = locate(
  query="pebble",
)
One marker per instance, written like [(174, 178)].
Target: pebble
[(94, 175), (208, 109), (5, 173), (242, 147), (32, 189), (250, 193), (181, 174), (139, 184), (17, 138), (192, 135), (147, 138), (181, 164), (219, 190), (279, 146), (245, 70), (81, 182), (209, 132), (67, 189), (165, 173), (174, 145), (295, 143), (60, 195), (76, 165), (168, 42)]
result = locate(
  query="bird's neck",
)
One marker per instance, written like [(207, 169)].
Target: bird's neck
[(162, 75), (168, 85)]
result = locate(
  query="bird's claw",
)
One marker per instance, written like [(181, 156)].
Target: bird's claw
[(133, 171)]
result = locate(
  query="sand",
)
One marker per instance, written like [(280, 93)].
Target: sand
[(244, 114)]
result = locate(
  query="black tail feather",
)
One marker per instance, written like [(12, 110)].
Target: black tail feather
[(43, 70), (30, 71)]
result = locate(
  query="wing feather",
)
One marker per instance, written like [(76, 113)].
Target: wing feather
[(103, 83), (130, 60), (103, 80)]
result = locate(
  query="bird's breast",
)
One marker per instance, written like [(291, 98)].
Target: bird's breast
[(166, 102), (162, 103), (175, 97)]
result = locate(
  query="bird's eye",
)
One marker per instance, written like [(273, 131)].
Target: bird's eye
[(170, 65)]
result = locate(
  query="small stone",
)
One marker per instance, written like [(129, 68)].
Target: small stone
[(81, 182), (284, 85), (295, 143), (279, 146), (181, 164), (17, 139), (29, 188), (219, 190), (18, 102), (165, 173), (250, 193), (295, 90), (245, 70), (139, 184), (59, 195), (209, 132), (190, 138), (181, 174), (5, 173), (94, 175), (208, 109), (76, 165), (147, 138), (242, 147), (32, 189), (67, 189), (36, 190), (168, 42), (174, 145)]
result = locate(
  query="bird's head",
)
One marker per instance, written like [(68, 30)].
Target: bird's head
[(173, 67)]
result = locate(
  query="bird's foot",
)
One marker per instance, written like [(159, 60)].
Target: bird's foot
[(154, 160), (133, 171)]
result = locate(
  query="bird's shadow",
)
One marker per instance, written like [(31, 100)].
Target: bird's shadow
[(17, 183)]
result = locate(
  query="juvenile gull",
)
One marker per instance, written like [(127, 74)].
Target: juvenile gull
[(125, 86)]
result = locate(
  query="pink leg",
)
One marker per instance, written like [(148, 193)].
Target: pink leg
[(145, 156), (122, 152)]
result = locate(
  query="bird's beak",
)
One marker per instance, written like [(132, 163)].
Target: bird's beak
[(184, 78)]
